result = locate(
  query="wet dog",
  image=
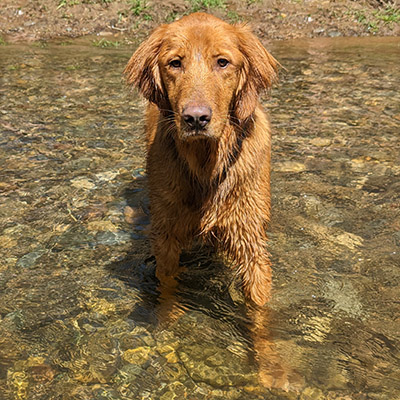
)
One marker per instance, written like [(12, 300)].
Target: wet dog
[(208, 143)]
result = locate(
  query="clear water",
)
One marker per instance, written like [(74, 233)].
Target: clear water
[(80, 313)]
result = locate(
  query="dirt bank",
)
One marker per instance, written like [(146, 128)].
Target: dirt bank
[(274, 19)]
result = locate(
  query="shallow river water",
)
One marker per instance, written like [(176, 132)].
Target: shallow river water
[(80, 313)]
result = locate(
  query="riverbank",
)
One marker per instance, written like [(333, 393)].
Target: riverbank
[(34, 20)]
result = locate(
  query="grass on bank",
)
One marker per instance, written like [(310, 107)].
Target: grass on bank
[(106, 44), (203, 5), (388, 16)]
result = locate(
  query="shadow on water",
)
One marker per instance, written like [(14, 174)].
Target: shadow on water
[(205, 287), (204, 277)]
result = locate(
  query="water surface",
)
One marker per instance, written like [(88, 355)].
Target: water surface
[(80, 313)]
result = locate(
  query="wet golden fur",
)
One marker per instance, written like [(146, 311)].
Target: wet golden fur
[(211, 183)]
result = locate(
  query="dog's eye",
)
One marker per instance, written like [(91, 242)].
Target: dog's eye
[(175, 63), (222, 62)]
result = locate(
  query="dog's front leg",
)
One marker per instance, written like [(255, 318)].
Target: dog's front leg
[(255, 269), (257, 278), (245, 244), (167, 251)]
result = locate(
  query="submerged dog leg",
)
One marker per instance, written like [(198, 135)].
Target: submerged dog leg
[(245, 244), (166, 251), (257, 278), (274, 371)]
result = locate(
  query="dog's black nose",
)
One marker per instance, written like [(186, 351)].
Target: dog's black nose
[(197, 117)]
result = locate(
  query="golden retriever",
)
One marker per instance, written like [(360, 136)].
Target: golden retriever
[(208, 143)]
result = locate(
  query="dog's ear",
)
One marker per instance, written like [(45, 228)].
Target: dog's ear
[(142, 70), (259, 72)]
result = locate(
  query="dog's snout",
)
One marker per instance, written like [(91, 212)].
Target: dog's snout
[(197, 117)]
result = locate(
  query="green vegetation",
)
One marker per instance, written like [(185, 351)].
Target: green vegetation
[(171, 17), (67, 3), (105, 44), (202, 5), (137, 7), (388, 16), (140, 8), (362, 19), (71, 67), (233, 16), (147, 17), (2, 41), (40, 43)]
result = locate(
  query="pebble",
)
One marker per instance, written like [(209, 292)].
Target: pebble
[(136, 356), (320, 142), (29, 260), (289, 166), (83, 183), (310, 393)]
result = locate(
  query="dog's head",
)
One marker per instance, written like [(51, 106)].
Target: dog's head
[(203, 71)]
